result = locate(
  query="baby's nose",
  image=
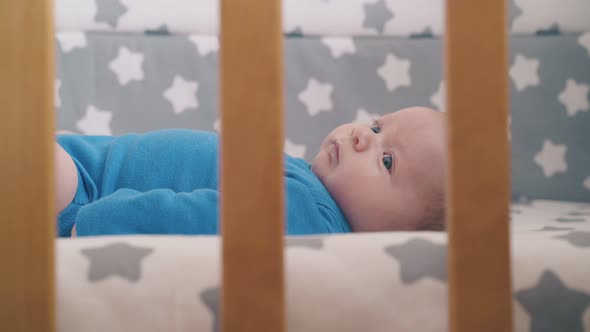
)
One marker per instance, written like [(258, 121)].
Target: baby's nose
[(361, 138)]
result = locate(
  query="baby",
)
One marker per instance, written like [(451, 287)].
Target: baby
[(381, 177)]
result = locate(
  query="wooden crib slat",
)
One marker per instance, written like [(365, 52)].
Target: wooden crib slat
[(478, 174), (253, 296), (27, 281)]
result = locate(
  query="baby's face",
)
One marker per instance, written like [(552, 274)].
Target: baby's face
[(383, 175)]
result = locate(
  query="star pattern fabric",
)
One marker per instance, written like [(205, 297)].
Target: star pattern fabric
[(579, 239), (540, 14), (315, 242), (339, 46), (364, 117), (552, 229), (56, 97), (127, 66), (584, 41), (552, 158), (419, 258), (182, 94), (566, 315), (118, 259), (210, 297), (412, 21), (438, 98), (377, 15), (71, 41), (524, 72), (294, 150), (95, 122), (205, 44), (110, 11), (317, 97), (395, 72), (575, 97)]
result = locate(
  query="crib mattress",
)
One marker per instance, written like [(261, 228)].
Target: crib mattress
[(370, 282)]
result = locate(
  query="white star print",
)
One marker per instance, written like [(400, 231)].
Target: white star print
[(364, 117), (587, 183), (524, 72), (316, 97), (575, 97), (339, 46), (395, 72), (71, 40), (584, 40), (127, 66), (438, 98), (205, 44), (294, 150), (552, 158), (56, 98), (95, 122), (182, 94)]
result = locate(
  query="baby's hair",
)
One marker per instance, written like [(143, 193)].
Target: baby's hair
[(434, 215)]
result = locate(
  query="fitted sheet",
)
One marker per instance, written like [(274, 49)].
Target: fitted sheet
[(352, 282)]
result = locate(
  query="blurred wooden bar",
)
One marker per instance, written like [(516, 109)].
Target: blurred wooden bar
[(27, 280), (252, 207), (478, 174)]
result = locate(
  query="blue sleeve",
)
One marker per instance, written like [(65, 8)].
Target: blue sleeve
[(304, 215), (158, 211), (163, 211)]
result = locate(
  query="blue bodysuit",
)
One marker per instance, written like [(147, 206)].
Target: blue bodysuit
[(166, 182)]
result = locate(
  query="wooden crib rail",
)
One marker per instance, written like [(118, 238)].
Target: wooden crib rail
[(27, 282), (253, 291), (476, 72)]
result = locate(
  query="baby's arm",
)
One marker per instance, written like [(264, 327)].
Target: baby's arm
[(158, 211), (66, 179)]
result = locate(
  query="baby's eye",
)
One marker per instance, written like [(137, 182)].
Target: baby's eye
[(376, 128), (388, 161)]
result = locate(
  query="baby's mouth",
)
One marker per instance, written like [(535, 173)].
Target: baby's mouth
[(334, 151)]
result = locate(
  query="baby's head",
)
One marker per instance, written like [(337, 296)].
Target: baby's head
[(389, 175)]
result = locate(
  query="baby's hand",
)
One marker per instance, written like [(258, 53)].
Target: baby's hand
[(74, 231)]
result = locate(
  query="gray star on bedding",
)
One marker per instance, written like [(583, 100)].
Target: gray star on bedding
[(307, 242), (377, 15), (550, 31), (116, 259), (109, 11), (427, 33), (579, 213), (513, 11), (552, 306), (577, 238), (419, 258), (568, 220), (551, 228), (162, 30), (210, 297)]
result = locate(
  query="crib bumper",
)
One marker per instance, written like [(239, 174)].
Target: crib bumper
[(352, 282), (312, 17)]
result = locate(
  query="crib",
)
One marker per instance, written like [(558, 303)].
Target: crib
[(490, 274)]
